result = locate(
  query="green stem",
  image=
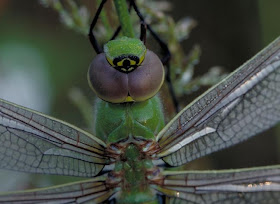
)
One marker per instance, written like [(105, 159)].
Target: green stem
[(124, 18)]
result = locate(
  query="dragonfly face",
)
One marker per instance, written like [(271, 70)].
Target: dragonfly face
[(131, 74)]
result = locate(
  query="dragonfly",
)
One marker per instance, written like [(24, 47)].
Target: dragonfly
[(123, 157)]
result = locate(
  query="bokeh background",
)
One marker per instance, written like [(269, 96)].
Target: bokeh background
[(41, 61)]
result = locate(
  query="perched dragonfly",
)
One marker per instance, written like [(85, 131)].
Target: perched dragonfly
[(121, 158)]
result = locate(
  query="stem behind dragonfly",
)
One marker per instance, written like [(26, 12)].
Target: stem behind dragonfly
[(124, 18)]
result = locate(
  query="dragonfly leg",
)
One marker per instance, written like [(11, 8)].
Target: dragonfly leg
[(116, 33), (143, 32), (166, 58), (92, 38), (161, 43)]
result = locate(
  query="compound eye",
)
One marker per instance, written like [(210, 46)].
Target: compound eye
[(108, 83), (147, 79)]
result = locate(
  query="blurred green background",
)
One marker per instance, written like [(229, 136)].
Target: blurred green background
[(41, 60)]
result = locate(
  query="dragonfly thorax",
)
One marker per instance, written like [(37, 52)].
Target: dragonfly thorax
[(116, 123), (129, 130)]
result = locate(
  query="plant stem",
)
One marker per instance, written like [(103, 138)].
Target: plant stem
[(124, 18)]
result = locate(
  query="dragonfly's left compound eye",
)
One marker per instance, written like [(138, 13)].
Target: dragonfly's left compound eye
[(117, 87)]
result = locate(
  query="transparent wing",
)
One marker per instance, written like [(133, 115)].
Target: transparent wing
[(88, 191), (251, 185), (36, 143), (242, 105)]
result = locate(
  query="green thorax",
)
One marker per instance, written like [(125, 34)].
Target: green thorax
[(117, 122), (126, 128)]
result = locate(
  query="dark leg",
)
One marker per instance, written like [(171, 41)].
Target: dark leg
[(116, 33), (143, 32), (93, 23), (162, 44), (166, 58)]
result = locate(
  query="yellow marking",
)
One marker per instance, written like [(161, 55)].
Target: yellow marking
[(132, 62), (130, 69), (123, 69), (129, 99), (141, 59), (110, 61), (120, 63)]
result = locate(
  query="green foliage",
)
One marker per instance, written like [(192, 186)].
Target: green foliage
[(73, 16)]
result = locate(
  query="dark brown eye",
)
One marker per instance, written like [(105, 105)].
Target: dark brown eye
[(146, 80), (117, 87), (108, 83)]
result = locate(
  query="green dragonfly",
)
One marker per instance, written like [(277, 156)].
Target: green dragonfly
[(123, 158)]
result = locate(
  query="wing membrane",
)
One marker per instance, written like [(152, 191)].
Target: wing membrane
[(36, 143), (244, 104), (230, 198), (92, 190), (251, 185)]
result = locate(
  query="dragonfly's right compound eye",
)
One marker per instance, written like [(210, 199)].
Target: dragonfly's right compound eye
[(118, 87)]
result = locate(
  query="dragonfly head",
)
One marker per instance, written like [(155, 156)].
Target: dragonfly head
[(126, 72)]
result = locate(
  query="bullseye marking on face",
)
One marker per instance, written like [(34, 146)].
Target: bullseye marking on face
[(126, 63)]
